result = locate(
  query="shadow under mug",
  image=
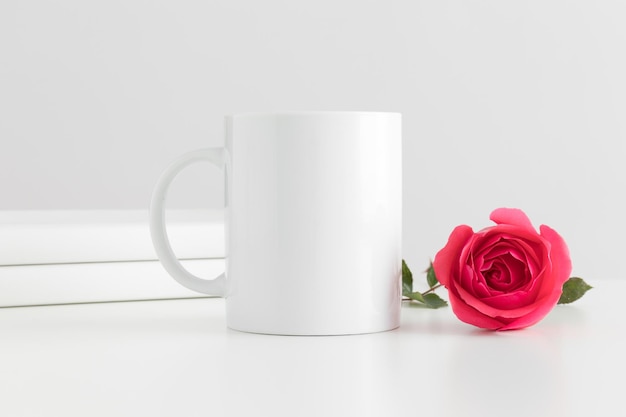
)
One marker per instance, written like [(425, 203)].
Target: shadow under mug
[(313, 222)]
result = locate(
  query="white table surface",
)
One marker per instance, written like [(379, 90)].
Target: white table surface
[(177, 358)]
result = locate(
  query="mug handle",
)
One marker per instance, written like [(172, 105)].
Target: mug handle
[(158, 231)]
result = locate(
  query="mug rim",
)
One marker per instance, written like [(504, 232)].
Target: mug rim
[(311, 113)]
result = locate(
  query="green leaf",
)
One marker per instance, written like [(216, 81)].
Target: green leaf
[(573, 289), (417, 299), (416, 296), (407, 280), (415, 304), (433, 300), (431, 278)]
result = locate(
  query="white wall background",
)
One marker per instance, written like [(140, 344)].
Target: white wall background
[(505, 103)]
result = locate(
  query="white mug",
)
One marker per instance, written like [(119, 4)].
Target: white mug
[(313, 222)]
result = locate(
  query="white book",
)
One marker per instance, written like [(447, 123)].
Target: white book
[(32, 285), (53, 237)]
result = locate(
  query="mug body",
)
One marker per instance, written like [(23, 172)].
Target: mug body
[(313, 222)]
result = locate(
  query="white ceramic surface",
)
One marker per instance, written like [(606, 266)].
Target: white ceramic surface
[(313, 222)]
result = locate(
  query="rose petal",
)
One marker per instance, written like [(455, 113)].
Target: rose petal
[(544, 306), (502, 237), (447, 259), (513, 301), (511, 310), (559, 255), (467, 254), (561, 268), (469, 315), (513, 232), (510, 276), (474, 282), (485, 239), (532, 291), (531, 244), (521, 251), (533, 288), (518, 270), (512, 216), (466, 277)]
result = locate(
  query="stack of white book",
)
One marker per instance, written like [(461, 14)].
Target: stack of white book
[(59, 257)]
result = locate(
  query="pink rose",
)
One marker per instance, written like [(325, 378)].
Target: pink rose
[(506, 276)]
